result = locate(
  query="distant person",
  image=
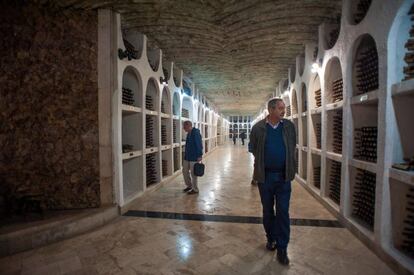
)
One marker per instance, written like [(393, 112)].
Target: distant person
[(273, 141), (242, 137), (193, 154), (234, 139)]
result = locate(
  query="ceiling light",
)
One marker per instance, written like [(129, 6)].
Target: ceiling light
[(315, 67)]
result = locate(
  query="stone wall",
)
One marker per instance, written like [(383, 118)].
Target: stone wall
[(49, 105)]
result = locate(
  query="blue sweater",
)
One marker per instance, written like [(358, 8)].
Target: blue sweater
[(275, 150), (193, 145)]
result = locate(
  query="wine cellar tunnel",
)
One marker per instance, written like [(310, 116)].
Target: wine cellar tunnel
[(93, 99)]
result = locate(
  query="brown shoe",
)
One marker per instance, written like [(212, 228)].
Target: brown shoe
[(192, 191)]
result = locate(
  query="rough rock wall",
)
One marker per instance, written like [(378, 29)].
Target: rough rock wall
[(49, 105)]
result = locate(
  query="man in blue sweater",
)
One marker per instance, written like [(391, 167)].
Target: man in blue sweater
[(193, 154), (273, 142)]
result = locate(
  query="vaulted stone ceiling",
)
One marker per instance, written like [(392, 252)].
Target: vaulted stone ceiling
[(235, 51)]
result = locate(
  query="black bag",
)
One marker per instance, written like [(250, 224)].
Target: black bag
[(199, 169)]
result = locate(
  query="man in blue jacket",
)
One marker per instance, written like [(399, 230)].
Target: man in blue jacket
[(193, 154), (273, 142)]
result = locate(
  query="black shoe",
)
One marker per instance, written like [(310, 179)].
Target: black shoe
[(186, 189), (271, 245), (282, 256), (192, 192)]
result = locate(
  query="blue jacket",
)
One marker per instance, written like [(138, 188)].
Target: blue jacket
[(193, 145)]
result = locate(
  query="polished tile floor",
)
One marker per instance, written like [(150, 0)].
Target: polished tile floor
[(177, 244)]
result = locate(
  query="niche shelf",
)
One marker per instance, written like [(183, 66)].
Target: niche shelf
[(334, 131), (333, 180), (332, 33), (132, 45), (363, 185), (408, 69), (177, 163), (333, 82), (152, 169), (359, 8), (294, 103), (132, 177), (166, 162), (131, 90), (304, 131), (402, 217), (315, 177), (365, 122), (154, 58), (176, 131), (304, 168), (304, 99), (365, 66), (316, 131), (403, 101), (165, 131), (315, 96)]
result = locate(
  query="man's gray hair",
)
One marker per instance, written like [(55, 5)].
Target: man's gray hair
[(271, 104), (188, 122)]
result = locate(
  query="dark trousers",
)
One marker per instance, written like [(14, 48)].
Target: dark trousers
[(277, 226)]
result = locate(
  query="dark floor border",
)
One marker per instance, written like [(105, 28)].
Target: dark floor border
[(223, 218)]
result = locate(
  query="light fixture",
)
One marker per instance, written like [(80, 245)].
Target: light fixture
[(315, 67), (163, 81)]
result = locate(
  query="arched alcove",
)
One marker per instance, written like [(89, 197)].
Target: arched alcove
[(304, 98), (294, 102), (358, 10), (154, 58), (315, 98), (131, 87), (152, 95), (333, 81), (166, 101), (365, 65), (133, 42)]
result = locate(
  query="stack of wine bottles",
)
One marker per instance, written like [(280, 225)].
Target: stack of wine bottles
[(175, 138), (166, 74), (409, 56), (315, 54), (366, 143), (364, 197), (318, 98), (317, 176), (127, 148), (367, 70), (337, 88), (164, 167), (151, 169), (206, 131), (304, 102), (362, 9), (288, 111), (163, 107), (127, 96), (164, 140), (153, 64), (149, 131), (176, 159), (149, 103), (185, 113), (337, 132), (129, 53), (318, 131), (407, 241), (335, 182), (333, 37)]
